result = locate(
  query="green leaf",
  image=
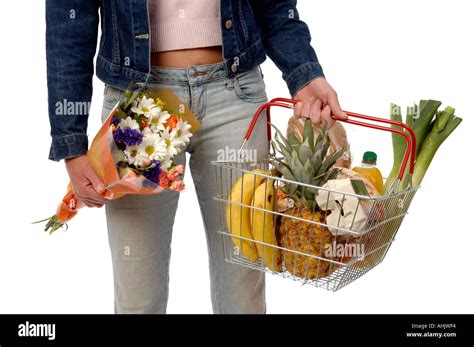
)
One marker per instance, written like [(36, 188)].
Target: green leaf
[(412, 113), (359, 187), (329, 161), (307, 172), (279, 135), (282, 149), (296, 165), (305, 151), (316, 163), (443, 119), (282, 168), (398, 143), (309, 167), (292, 140), (324, 150), (308, 133), (428, 109), (120, 114)]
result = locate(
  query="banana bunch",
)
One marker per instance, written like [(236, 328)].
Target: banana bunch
[(251, 223)]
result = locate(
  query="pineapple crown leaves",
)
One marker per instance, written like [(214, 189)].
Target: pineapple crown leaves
[(306, 161)]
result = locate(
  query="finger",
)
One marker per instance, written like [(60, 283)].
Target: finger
[(336, 109), (86, 200), (316, 112), (306, 111), (93, 204), (326, 117), (95, 180), (91, 194), (298, 108)]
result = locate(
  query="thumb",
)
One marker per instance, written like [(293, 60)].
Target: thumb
[(336, 109), (96, 181)]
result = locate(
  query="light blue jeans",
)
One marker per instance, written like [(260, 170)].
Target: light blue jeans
[(140, 226)]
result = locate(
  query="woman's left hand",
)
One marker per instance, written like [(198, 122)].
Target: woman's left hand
[(318, 101)]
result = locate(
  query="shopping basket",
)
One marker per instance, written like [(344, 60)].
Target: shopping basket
[(304, 246)]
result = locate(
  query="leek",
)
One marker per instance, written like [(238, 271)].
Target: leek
[(422, 121), (430, 134), (399, 145), (442, 127)]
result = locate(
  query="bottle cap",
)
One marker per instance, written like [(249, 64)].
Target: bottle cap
[(369, 157)]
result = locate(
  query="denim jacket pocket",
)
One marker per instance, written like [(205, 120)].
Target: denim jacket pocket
[(111, 97), (249, 86)]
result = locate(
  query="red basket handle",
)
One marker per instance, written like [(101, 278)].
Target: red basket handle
[(409, 138)]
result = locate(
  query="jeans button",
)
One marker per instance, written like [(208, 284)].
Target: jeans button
[(228, 24)]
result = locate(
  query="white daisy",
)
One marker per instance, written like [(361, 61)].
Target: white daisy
[(153, 146), (169, 138), (181, 133), (147, 107), (129, 123), (132, 156), (157, 123)]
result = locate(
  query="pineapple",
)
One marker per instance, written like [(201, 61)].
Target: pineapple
[(306, 161)]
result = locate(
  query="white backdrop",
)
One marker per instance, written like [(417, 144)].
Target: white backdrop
[(373, 52)]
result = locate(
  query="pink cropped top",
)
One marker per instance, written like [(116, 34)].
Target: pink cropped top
[(182, 24)]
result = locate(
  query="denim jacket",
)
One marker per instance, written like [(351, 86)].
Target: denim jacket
[(251, 30)]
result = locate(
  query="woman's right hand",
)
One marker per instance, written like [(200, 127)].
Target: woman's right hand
[(87, 185)]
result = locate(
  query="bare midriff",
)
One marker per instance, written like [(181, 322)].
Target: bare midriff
[(187, 57)]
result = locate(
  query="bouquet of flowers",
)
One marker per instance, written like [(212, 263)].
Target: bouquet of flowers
[(134, 150)]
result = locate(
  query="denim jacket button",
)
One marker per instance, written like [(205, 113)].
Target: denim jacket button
[(228, 24)]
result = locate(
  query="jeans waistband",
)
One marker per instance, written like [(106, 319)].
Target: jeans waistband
[(191, 74)]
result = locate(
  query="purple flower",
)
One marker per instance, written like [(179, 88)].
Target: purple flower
[(153, 173), (115, 121), (128, 136)]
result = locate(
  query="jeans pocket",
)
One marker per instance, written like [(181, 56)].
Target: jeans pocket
[(111, 97), (249, 86)]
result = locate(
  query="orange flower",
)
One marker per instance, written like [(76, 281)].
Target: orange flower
[(163, 180), (173, 174), (172, 121), (68, 206), (66, 210), (177, 185)]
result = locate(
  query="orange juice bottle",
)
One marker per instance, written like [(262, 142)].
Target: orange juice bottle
[(369, 170)]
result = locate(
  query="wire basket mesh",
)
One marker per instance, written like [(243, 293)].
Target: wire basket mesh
[(303, 245), (340, 238)]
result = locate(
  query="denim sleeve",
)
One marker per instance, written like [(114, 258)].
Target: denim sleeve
[(71, 39), (287, 41)]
